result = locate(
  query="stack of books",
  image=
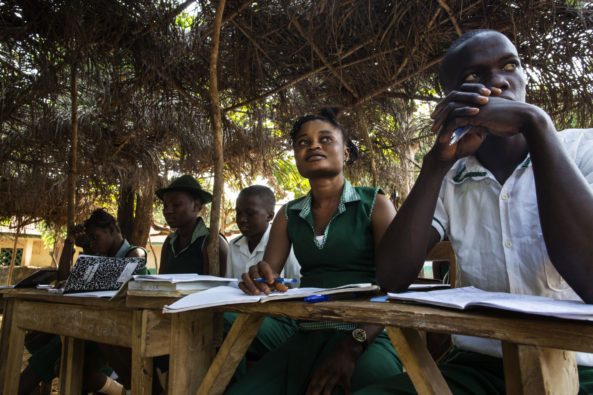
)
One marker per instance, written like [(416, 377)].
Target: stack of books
[(175, 285)]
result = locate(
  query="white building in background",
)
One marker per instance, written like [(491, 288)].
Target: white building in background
[(31, 250)]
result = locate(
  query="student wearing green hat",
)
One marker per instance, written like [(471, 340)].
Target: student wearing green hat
[(184, 250)]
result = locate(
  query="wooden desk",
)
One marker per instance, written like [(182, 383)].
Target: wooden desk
[(533, 347), (187, 337)]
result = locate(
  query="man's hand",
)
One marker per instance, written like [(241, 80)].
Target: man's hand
[(336, 370)]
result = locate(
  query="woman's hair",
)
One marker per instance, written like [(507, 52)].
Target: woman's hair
[(329, 115), (101, 219)]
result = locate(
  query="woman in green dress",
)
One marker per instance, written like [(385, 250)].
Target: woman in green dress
[(334, 230)]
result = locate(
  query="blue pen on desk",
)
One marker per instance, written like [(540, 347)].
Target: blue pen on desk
[(458, 134), (316, 298), (276, 280)]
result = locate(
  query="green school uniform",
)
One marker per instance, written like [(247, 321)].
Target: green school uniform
[(344, 255), (466, 373), (190, 258)]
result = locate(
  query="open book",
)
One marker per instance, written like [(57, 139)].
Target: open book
[(224, 295), (467, 297), (175, 284)]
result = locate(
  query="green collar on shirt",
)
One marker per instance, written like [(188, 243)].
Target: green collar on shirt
[(199, 231), (349, 194), (472, 168)]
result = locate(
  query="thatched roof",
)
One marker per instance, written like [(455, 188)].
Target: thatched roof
[(142, 70)]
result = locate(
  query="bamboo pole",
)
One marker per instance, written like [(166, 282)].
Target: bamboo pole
[(71, 185), (73, 144), (213, 251), (13, 258)]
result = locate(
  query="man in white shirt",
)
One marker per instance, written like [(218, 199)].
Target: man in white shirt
[(514, 197)]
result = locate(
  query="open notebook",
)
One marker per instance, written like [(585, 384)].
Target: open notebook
[(100, 273)]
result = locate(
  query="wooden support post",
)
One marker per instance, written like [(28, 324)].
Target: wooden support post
[(10, 358), (534, 370), (230, 354), (14, 249), (71, 366), (421, 368), (192, 350), (142, 369)]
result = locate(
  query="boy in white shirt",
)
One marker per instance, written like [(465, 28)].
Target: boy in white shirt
[(255, 211)]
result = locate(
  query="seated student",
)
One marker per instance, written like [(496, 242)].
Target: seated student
[(99, 236), (184, 251), (105, 237), (334, 231), (255, 209), (514, 197)]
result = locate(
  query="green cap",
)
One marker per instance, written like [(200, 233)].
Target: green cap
[(188, 184)]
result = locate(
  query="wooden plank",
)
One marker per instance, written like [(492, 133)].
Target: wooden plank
[(142, 370), (156, 338), (7, 308), (533, 370), (421, 368), (43, 295), (143, 302), (71, 366), (192, 350), (84, 322), (518, 328), (231, 352), (14, 359)]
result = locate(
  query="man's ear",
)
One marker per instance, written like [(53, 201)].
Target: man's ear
[(346, 154), (270, 215), (197, 205)]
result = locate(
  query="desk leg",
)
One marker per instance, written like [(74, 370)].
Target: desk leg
[(142, 369), (421, 368), (535, 370), (7, 308), (230, 354), (71, 366), (192, 350), (14, 358)]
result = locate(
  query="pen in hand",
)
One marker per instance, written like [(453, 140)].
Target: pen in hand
[(276, 280), (458, 134)]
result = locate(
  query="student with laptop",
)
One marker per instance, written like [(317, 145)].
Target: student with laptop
[(101, 236), (513, 195)]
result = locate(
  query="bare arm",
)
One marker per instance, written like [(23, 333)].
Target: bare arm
[(275, 256), (136, 252), (565, 204), (401, 252)]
